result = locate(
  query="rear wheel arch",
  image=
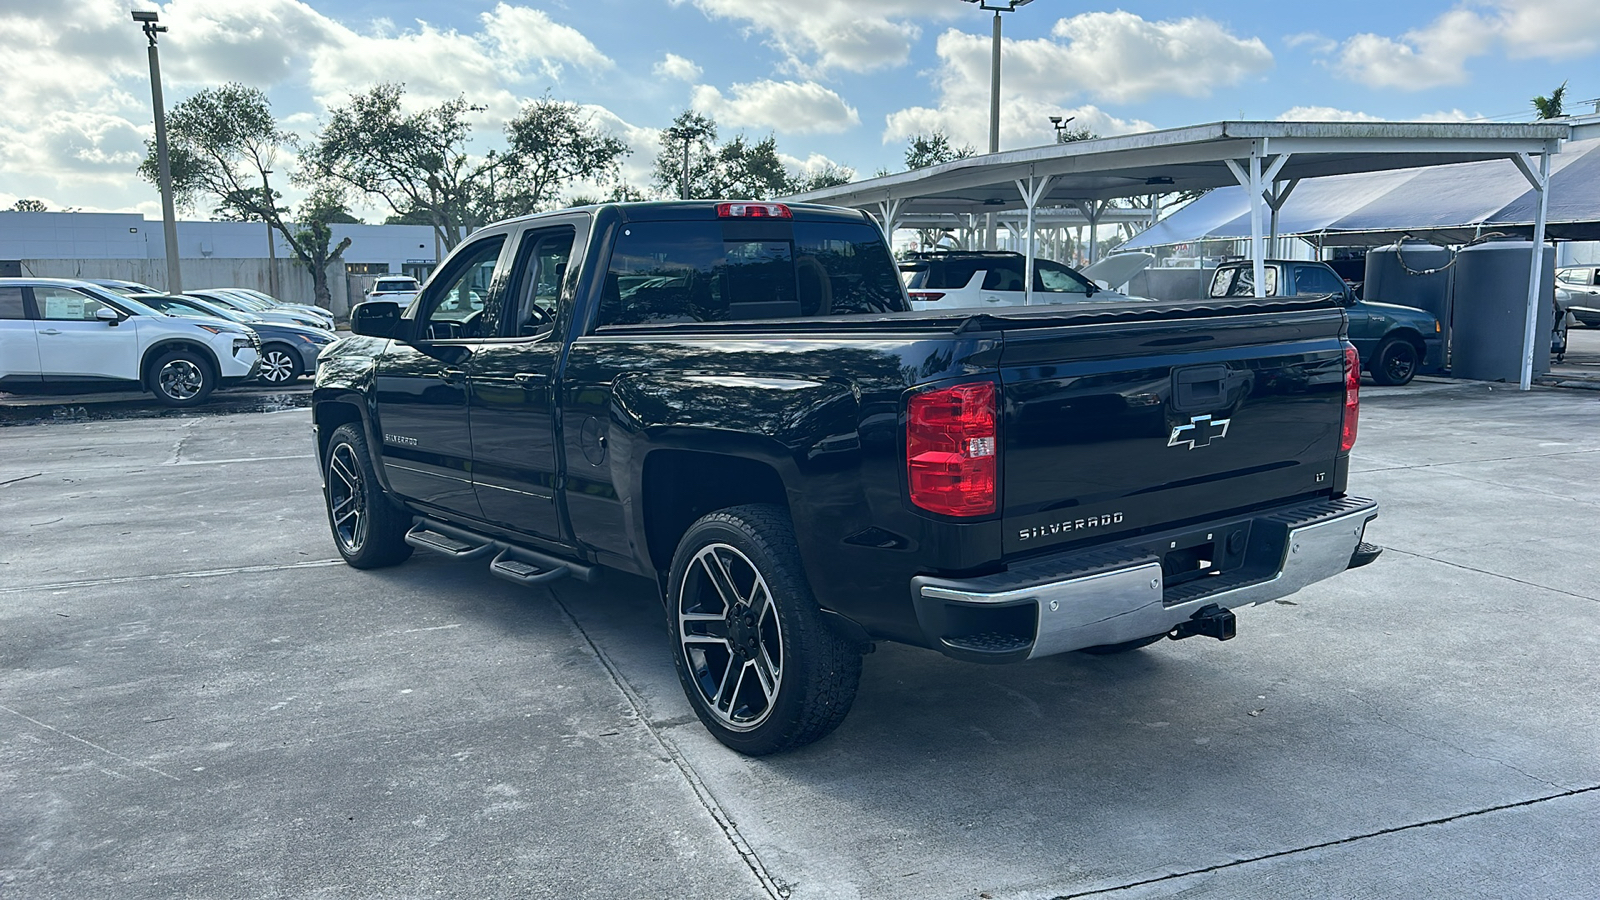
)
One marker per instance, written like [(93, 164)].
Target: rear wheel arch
[(680, 486)]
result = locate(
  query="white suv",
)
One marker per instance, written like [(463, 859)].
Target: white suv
[(58, 334), (399, 288), (967, 278)]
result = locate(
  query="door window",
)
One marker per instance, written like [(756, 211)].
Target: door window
[(462, 304), (1317, 280), (546, 257), (58, 304), (11, 303), (1054, 278), (1004, 275)]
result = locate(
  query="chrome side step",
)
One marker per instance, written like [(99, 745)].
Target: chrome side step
[(516, 564)]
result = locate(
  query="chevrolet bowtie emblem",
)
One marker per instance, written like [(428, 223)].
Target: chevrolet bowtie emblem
[(1200, 432)]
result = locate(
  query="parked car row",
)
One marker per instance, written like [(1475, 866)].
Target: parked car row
[(1578, 292), (62, 335)]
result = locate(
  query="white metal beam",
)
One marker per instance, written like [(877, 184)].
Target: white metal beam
[(1031, 190), (1541, 184)]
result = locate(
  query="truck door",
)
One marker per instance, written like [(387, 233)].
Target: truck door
[(512, 390), (422, 382)]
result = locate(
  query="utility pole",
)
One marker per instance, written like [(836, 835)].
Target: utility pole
[(272, 244), (169, 223), (994, 94)]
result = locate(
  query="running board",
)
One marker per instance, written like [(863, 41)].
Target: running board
[(516, 564)]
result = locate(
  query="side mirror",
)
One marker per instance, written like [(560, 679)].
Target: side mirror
[(109, 316), (375, 318)]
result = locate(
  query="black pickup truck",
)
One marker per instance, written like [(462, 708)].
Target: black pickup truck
[(735, 400)]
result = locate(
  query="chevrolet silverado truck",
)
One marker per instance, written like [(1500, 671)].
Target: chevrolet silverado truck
[(1394, 342), (735, 401)]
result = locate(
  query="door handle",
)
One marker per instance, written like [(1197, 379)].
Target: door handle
[(452, 376), (51, 331), (529, 379)]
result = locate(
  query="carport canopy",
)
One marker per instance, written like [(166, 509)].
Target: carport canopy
[(1269, 159)]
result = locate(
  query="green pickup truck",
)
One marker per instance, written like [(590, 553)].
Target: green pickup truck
[(1395, 342)]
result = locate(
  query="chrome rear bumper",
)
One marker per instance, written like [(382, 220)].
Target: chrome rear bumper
[(1096, 599)]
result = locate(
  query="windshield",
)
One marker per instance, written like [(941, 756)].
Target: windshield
[(174, 306)]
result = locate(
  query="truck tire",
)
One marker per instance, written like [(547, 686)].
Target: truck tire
[(1394, 362), (181, 378), (369, 531), (762, 669)]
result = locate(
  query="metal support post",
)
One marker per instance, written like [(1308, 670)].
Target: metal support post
[(169, 217), (1541, 184)]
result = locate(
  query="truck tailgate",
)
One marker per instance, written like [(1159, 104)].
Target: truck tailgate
[(1128, 427)]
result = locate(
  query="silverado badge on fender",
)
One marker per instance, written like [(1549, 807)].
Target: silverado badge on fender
[(1199, 432)]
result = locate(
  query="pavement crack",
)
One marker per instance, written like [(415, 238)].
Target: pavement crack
[(1381, 832), (88, 743), (1446, 562), (774, 888), (1378, 713), (23, 478), (1470, 462), (207, 573)]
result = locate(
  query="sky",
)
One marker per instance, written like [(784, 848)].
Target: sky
[(835, 81)]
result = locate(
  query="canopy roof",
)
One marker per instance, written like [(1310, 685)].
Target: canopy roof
[(1453, 203), (1183, 159)]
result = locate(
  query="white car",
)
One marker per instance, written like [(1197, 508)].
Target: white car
[(399, 288), (59, 334), (967, 278)]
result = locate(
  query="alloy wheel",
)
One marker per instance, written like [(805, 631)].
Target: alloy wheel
[(276, 367), (181, 379), (347, 498), (730, 637)]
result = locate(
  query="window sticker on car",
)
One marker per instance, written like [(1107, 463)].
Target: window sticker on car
[(61, 306)]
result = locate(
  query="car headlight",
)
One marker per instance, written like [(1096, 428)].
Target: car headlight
[(317, 338)]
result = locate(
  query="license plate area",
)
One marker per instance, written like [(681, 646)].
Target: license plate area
[(1204, 554)]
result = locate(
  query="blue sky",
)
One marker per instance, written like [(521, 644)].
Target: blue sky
[(844, 81)]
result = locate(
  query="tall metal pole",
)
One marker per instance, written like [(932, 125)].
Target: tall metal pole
[(1530, 335), (272, 244), (169, 221), (990, 238)]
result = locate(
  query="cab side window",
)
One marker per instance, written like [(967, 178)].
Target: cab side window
[(464, 303), (542, 267), (1316, 280)]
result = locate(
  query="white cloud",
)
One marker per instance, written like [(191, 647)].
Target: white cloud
[(1311, 40), (1433, 56), (1438, 54), (835, 34), (785, 106), (1116, 57), (676, 67), (1325, 114), (1332, 114)]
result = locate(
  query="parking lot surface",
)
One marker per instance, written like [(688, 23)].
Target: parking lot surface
[(199, 700)]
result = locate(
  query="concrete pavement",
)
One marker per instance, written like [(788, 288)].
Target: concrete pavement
[(199, 702)]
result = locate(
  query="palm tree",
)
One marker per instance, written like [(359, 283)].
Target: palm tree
[(1550, 107)]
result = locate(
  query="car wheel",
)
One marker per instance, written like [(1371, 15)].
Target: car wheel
[(181, 378), (763, 670), (369, 531), (280, 364), (1124, 647), (1395, 362)]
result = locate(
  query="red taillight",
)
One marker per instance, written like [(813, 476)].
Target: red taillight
[(1352, 397), (951, 442), (925, 296), (754, 211)]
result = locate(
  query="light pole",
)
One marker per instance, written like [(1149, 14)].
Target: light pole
[(1060, 125), (272, 245), (169, 221), (994, 91)]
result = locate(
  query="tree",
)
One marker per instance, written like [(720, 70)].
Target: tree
[(416, 164), (830, 175), (221, 143), (736, 170), (686, 155), (29, 206), (1550, 107), (550, 145), (1073, 135), (925, 150)]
